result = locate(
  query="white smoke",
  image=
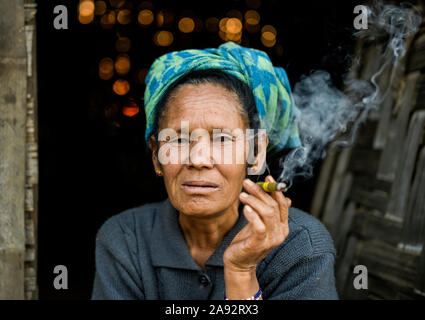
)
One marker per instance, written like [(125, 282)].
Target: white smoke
[(330, 116)]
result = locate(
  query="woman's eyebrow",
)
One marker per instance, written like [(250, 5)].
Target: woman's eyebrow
[(225, 130), (210, 129)]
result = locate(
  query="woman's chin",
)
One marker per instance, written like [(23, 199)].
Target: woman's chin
[(201, 207)]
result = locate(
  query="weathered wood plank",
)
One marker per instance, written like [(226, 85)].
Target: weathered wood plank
[(342, 228), (384, 121), (323, 183), (333, 213), (12, 148), (421, 275), (375, 199), (389, 263), (383, 162), (339, 204), (413, 234), (29, 231), (31, 173), (372, 58), (416, 60), (335, 194), (381, 289), (343, 265), (29, 255), (370, 183), (396, 135), (11, 273), (388, 95), (364, 161), (420, 100), (401, 186), (382, 86), (365, 135), (369, 225)]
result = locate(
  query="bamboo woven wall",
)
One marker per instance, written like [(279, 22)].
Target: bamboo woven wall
[(371, 195)]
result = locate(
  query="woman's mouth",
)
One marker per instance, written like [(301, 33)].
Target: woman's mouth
[(199, 187)]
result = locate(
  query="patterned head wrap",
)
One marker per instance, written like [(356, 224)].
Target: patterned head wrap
[(269, 85)]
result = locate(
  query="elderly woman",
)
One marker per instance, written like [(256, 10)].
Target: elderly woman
[(218, 235)]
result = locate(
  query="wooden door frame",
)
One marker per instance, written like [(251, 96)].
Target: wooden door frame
[(18, 150)]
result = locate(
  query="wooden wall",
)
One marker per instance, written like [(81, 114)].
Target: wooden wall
[(31, 156), (18, 150), (371, 196)]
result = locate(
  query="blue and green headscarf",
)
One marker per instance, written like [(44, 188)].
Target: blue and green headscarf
[(269, 85)]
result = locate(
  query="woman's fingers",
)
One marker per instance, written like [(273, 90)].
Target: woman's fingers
[(266, 203), (253, 217), (253, 189), (284, 203), (267, 215), (271, 209), (269, 212)]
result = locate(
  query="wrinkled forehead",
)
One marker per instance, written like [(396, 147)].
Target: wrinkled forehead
[(206, 106)]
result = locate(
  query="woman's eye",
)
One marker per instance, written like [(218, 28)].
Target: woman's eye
[(179, 141), (222, 139), (183, 140)]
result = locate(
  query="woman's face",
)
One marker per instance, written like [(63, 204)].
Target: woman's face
[(205, 170)]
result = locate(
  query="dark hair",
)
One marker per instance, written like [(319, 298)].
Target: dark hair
[(213, 76)]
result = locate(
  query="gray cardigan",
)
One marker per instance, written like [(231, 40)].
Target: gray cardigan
[(141, 254)]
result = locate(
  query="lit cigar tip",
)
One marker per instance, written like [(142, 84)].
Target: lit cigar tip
[(273, 186), (281, 185)]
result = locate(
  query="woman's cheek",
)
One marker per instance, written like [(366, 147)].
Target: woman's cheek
[(171, 178), (230, 153)]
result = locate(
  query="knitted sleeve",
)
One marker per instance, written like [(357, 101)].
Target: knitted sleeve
[(303, 266), (117, 276), (309, 279)]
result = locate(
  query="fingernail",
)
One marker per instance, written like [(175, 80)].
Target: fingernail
[(248, 208), (249, 182), (244, 195)]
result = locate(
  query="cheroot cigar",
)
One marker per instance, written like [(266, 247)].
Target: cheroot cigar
[(272, 186)]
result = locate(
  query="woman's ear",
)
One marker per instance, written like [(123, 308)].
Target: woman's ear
[(153, 145), (260, 163)]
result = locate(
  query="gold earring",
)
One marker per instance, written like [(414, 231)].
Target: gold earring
[(253, 169), (158, 173)]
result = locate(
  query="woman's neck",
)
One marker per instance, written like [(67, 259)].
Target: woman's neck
[(208, 232)]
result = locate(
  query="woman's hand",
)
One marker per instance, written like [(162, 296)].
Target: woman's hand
[(267, 228)]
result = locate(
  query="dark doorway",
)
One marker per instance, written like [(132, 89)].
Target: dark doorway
[(93, 158)]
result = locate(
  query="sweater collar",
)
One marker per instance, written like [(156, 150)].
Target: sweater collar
[(169, 249)]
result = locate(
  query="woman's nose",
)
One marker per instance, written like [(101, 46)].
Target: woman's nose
[(200, 155)]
